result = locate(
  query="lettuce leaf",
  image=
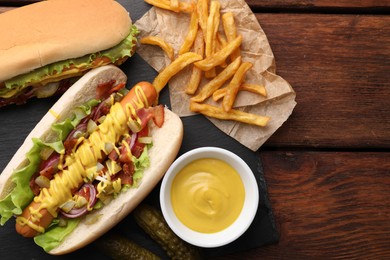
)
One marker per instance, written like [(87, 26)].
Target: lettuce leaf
[(140, 164), (21, 194), (53, 236), (16, 84)]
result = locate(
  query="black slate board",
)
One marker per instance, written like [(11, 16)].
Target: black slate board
[(18, 121)]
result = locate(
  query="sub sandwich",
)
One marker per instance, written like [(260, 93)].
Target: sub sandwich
[(89, 162), (46, 46)]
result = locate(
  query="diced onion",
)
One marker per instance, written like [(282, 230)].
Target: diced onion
[(78, 134), (112, 167), (91, 126), (62, 222), (77, 212), (42, 181), (47, 90), (99, 167), (68, 206), (101, 119), (145, 139), (108, 147), (134, 126), (132, 140), (45, 153), (81, 202)]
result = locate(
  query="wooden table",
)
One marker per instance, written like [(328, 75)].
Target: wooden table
[(327, 168)]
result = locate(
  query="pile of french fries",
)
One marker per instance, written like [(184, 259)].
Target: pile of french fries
[(214, 54)]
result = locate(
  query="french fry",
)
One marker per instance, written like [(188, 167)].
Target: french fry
[(218, 94), (172, 69), (166, 4), (211, 33), (233, 114), (155, 40), (254, 88), (202, 8), (220, 56), (221, 42), (230, 29), (234, 85), (217, 82), (196, 75), (175, 5), (191, 35)]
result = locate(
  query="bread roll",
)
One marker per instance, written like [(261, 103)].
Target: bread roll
[(166, 144)]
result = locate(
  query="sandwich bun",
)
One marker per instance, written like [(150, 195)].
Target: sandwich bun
[(166, 144), (39, 34), (47, 32)]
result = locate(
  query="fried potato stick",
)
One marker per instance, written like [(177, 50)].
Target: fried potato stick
[(155, 40), (175, 5), (166, 4), (217, 82), (191, 35), (196, 74), (233, 114), (202, 8), (254, 88), (172, 69), (220, 56), (211, 33), (234, 85), (230, 29)]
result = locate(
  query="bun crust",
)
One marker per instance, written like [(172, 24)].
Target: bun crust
[(166, 144), (39, 34)]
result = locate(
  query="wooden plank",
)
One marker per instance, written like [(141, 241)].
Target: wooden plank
[(339, 66), (327, 205), (319, 4)]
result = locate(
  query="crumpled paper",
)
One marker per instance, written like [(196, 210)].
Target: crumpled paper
[(280, 100)]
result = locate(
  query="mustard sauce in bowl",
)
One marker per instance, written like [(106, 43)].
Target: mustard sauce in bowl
[(209, 197)]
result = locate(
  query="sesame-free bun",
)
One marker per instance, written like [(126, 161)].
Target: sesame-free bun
[(49, 31), (166, 144)]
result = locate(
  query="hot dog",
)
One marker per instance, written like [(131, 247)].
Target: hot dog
[(93, 163)]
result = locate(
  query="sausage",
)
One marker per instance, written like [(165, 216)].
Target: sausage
[(133, 98), (27, 231), (25, 224)]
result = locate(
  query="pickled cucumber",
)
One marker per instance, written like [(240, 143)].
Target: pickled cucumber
[(153, 223), (118, 247)]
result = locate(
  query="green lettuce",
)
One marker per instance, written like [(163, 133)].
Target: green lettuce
[(53, 236), (123, 49), (21, 194), (140, 164)]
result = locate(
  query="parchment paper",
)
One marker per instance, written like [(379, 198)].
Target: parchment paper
[(255, 48)]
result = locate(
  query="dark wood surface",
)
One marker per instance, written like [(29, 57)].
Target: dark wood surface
[(327, 168)]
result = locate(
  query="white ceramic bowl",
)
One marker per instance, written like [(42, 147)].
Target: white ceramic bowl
[(243, 221)]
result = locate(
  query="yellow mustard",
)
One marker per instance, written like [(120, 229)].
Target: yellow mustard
[(88, 153), (207, 195)]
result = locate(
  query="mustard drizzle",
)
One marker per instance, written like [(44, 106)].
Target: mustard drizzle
[(86, 156)]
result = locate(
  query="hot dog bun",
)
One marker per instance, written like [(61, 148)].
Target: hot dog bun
[(166, 144), (47, 32)]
